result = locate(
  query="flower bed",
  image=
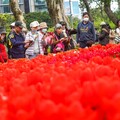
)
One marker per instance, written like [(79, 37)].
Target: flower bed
[(79, 84)]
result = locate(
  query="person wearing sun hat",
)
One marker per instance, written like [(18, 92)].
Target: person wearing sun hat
[(17, 40), (104, 34), (43, 31), (34, 47), (3, 53)]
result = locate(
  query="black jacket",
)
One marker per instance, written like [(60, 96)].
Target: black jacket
[(104, 37)]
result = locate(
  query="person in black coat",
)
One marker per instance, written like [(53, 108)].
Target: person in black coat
[(104, 35)]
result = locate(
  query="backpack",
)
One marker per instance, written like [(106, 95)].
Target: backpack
[(59, 47)]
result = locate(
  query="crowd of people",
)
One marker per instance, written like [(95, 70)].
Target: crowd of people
[(29, 44)]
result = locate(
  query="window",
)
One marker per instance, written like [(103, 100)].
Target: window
[(75, 7), (40, 5), (40, 2), (67, 8), (5, 8)]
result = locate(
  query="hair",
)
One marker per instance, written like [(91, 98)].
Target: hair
[(85, 13), (118, 22)]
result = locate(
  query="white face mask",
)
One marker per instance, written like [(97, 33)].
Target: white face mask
[(44, 30), (34, 31), (86, 19)]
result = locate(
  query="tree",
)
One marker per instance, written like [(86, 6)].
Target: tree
[(56, 10), (109, 12), (88, 9), (18, 14)]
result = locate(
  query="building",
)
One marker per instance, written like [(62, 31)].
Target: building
[(71, 6), (4, 6)]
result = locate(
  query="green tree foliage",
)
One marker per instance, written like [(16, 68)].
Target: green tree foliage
[(6, 20), (39, 16)]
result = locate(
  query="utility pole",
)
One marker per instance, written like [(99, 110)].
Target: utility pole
[(71, 20)]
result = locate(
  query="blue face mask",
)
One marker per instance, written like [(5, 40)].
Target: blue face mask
[(44, 30)]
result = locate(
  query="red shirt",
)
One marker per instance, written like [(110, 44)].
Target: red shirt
[(3, 53)]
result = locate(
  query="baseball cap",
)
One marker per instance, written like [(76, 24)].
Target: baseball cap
[(2, 30), (19, 24)]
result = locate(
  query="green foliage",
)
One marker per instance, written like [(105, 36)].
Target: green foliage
[(6, 20), (39, 16), (99, 17)]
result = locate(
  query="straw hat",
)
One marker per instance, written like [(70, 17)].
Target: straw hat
[(43, 25)]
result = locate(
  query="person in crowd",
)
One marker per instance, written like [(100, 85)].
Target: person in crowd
[(12, 26), (35, 46), (117, 36), (59, 39), (18, 42), (112, 36), (85, 32), (118, 27), (43, 28), (68, 33), (104, 35), (3, 53)]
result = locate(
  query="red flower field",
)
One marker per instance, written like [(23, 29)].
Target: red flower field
[(79, 84)]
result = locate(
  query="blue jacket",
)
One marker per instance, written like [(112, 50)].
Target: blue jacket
[(85, 32), (17, 41)]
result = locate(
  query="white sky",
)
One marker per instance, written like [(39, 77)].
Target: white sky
[(114, 6)]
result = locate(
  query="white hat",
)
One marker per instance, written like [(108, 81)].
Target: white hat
[(34, 24), (57, 26), (12, 24), (37, 23), (102, 23)]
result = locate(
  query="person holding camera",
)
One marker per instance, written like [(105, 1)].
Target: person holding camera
[(34, 46), (59, 39)]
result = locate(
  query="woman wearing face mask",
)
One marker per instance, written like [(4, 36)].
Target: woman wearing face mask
[(34, 46), (3, 53), (43, 33), (85, 32)]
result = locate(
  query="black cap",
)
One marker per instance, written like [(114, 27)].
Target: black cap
[(19, 24), (62, 23), (2, 30)]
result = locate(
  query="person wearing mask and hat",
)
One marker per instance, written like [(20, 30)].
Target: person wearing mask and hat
[(34, 47), (17, 40), (104, 34), (85, 32), (3, 53), (43, 28)]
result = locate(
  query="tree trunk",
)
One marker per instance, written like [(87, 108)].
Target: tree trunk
[(56, 11), (109, 12), (88, 9), (18, 14)]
